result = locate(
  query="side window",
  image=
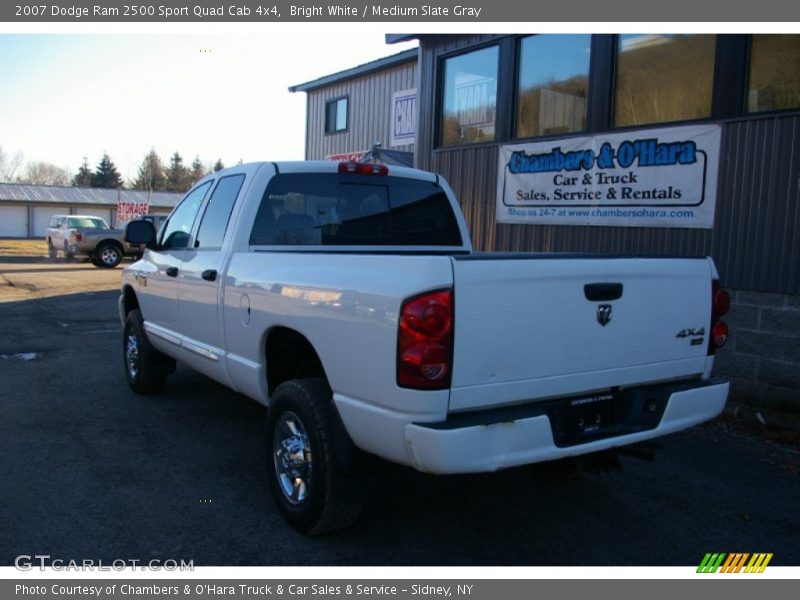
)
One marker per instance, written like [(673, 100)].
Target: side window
[(774, 81), (470, 97), (218, 212), (336, 115), (663, 78), (177, 231)]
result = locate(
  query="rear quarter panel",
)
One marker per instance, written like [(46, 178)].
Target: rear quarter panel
[(346, 305)]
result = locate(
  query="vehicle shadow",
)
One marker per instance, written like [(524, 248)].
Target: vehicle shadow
[(53, 270)]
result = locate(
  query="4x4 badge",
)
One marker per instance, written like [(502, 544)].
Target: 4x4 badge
[(604, 314)]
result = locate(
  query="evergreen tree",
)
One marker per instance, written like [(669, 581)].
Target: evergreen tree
[(198, 170), (106, 174), (178, 176), (218, 166), (151, 176), (84, 177)]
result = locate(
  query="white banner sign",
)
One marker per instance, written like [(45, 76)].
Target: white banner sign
[(404, 118), (655, 178)]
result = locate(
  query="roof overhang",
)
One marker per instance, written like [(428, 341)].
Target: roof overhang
[(376, 65)]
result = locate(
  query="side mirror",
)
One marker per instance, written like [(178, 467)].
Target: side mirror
[(141, 232)]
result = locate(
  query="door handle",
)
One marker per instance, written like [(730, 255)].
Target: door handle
[(172, 271), (602, 292), (209, 275)]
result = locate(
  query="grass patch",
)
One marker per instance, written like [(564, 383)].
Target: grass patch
[(23, 247)]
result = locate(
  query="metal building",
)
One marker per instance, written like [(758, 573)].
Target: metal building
[(348, 113), (25, 210), (508, 120), (526, 93)]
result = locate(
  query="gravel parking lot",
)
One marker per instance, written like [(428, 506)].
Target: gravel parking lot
[(90, 470)]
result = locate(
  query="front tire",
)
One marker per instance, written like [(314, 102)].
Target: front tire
[(310, 458), (107, 255), (146, 368)]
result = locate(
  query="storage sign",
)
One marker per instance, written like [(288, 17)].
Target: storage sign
[(404, 117), (653, 178), (128, 210), (347, 156)]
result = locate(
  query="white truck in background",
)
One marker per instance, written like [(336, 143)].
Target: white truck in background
[(347, 298)]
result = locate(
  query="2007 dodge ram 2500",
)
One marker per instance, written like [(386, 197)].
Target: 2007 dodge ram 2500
[(347, 298)]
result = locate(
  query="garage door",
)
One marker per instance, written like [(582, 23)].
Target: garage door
[(41, 218), (13, 221), (103, 213)]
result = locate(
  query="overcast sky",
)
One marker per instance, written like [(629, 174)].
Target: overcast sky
[(213, 95)]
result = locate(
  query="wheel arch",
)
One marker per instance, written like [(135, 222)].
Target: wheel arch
[(110, 241), (290, 355), (129, 300)]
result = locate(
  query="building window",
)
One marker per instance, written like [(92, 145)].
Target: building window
[(774, 72), (470, 97), (663, 78), (553, 84), (336, 115)]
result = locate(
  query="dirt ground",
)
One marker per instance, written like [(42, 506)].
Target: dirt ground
[(27, 273)]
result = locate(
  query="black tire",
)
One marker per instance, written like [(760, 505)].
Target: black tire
[(326, 499), (146, 368), (51, 250), (107, 255)]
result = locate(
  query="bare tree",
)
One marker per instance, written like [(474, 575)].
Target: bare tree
[(44, 173), (9, 165)]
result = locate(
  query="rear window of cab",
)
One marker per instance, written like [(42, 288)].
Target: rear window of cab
[(330, 209)]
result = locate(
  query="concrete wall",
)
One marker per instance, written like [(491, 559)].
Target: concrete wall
[(762, 356)]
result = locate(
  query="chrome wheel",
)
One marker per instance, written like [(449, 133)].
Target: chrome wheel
[(132, 356), (109, 256), (291, 453)]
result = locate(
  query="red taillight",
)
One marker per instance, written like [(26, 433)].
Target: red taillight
[(354, 168), (425, 341), (719, 334), (78, 236), (721, 300), (720, 304)]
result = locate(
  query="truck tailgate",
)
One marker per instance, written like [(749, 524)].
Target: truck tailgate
[(530, 327)]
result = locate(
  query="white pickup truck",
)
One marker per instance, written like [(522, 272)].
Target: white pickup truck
[(347, 298)]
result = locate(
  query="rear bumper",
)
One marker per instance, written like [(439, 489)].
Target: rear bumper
[(489, 443)]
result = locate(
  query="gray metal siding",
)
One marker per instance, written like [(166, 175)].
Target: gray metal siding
[(45, 194), (369, 108), (756, 238)]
